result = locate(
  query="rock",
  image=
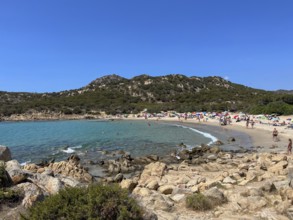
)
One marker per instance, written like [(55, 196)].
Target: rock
[(152, 170), (128, 184), (277, 168), (71, 168), (32, 194), (231, 139), (243, 166), (31, 167), (212, 157), (268, 187), (279, 157), (49, 184), (163, 203), (215, 150), (283, 207), (141, 191), (229, 180), (149, 215), (218, 143), (17, 175), (5, 153), (69, 181), (166, 189), (153, 185), (74, 159), (178, 197), (118, 178), (216, 195), (281, 184)]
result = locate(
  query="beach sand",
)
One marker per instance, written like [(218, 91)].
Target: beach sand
[(259, 138)]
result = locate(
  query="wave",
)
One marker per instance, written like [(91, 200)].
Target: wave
[(25, 163), (207, 135), (68, 150)]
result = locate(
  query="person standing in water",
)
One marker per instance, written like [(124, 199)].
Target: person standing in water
[(275, 134)]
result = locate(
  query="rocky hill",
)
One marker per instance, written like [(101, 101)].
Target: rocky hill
[(115, 94)]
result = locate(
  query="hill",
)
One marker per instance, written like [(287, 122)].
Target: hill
[(115, 94)]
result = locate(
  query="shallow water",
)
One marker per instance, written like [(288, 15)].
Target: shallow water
[(34, 141)]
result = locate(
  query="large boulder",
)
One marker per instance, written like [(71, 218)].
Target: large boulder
[(5, 153), (71, 168), (50, 185), (32, 194), (15, 172)]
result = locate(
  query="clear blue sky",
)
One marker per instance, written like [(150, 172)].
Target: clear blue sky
[(54, 45)]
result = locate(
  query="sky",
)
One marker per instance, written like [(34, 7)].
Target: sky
[(56, 45)]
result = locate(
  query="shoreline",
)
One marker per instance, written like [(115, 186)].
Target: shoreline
[(260, 136)]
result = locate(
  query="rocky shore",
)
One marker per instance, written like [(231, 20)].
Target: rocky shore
[(46, 116), (246, 184)]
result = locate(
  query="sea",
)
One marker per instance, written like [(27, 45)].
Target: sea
[(90, 139)]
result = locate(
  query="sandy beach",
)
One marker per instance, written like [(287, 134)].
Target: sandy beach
[(259, 137)]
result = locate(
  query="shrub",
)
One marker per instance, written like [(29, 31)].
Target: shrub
[(199, 202), (8, 196), (4, 178), (95, 202)]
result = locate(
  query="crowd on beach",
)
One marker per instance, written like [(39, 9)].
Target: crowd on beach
[(272, 122)]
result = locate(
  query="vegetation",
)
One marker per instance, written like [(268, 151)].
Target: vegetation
[(115, 94), (4, 180), (9, 196), (95, 202), (200, 202)]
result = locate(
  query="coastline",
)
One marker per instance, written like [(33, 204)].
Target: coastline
[(258, 138)]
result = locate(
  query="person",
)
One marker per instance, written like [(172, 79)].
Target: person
[(247, 122), (275, 134), (252, 123), (289, 150)]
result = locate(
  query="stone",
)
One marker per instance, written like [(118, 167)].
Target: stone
[(49, 184), (118, 178), (163, 203), (128, 184), (277, 168), (153, 185), (231, 139), (178, 197), (32, 194), (215, 149), (166, 189), (229, 180), (144, 192), (16, 174), (69, 181), (279, 157), (212, 157), (216, 195), (31, 167), (5, 153)]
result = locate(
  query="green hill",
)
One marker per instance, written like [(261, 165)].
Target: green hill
[(115, 94)]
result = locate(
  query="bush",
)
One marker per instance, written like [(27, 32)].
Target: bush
[(4, 178), (8, 196), (199, 202), (95, 202)]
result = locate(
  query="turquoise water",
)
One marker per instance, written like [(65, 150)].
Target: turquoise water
[(34, 141)]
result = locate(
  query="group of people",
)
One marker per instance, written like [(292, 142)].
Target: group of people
[(276, 138)]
